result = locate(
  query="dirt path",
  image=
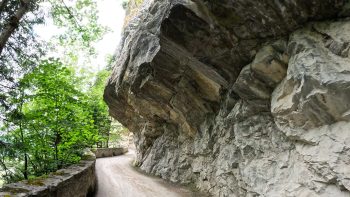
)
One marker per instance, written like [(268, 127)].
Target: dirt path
[(117, 178)]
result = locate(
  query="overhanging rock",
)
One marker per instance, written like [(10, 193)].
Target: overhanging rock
[(196, 81)]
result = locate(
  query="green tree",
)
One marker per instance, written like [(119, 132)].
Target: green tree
[(52, 123), (60, 105), (99, 109), (46, 116), (20, 50)]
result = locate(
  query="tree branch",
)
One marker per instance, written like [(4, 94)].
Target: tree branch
[(13, 23), (72, 15)]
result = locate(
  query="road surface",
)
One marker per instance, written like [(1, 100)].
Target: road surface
[(117, 178)]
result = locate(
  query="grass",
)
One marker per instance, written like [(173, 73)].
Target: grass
[(59, 173), (37, 181)]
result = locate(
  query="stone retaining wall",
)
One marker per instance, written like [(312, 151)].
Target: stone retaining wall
[(109, 152), (75, 181)]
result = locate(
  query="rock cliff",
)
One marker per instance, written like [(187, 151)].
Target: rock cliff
[(239, 97)]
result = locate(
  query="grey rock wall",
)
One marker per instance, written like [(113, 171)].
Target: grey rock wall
[(239, 98)]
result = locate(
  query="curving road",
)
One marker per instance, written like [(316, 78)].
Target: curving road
[(117, 178)]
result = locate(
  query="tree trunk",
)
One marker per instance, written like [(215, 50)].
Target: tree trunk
[(25, 166), (25, 173), (109, 131), (13, 23), (56, 152)]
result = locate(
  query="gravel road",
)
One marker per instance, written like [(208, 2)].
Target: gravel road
[(117, 178)]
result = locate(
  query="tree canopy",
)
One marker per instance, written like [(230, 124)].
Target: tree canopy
[(20, 48), (51, 122), (50, 111)]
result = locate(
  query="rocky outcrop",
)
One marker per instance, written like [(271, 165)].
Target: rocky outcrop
[(316, 90), (240, 98)]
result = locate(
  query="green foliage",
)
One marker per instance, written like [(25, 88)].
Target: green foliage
[(138, 2), (102, 120), (51, 124), (79, 20), (116, 132), (53, 120), (48, 113), (22, 50), (109, 130)]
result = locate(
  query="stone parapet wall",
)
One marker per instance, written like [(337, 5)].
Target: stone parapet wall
[(75, 181), (109, 152)]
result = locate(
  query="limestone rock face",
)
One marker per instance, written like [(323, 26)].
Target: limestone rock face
[(239, 98), (316, 91)]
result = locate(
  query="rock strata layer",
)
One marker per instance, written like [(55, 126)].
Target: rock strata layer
[(239, 98)]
